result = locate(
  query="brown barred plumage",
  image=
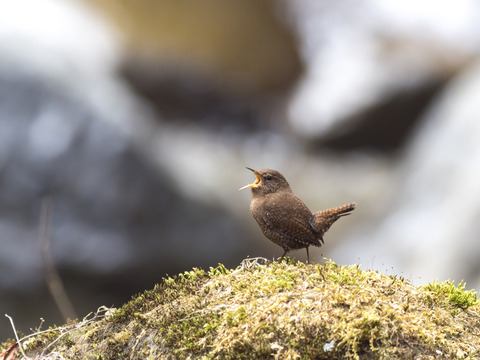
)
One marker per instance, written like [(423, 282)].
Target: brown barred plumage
[(284, 218)]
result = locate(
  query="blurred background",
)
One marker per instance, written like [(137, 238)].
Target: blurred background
[(135, 120)]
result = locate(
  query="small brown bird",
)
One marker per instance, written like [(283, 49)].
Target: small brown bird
[(284, 218)]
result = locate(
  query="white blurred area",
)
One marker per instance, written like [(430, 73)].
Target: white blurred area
[(59, 38)]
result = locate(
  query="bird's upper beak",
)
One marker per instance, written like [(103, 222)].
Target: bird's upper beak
[(255, 184)]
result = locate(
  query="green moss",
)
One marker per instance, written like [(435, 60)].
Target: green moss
[(446, 292), (280, 310)]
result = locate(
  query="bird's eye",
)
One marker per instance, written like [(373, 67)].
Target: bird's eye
[(269, 177)]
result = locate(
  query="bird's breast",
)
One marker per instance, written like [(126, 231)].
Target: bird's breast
[(279, 204)]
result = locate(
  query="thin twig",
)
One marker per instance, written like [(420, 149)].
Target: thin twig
[(52, 277), (72, 328), (16, 336), (64, 330)]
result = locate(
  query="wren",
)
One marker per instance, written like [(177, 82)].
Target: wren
[(284, 218)]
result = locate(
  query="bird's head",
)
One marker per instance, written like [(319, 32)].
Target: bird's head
[(267, 181)]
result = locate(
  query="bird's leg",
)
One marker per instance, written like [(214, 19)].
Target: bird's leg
[(284, 253), (308, 256)]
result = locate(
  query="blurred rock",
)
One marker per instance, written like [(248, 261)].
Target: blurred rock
[(372, 72), (72, 131), (429, 228), (185, 97), (238, 46), (223, 65)]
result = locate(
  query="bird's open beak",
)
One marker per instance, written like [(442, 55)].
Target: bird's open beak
[(255, 184)]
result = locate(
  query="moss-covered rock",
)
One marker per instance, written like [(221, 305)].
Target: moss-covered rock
[(278, 311)]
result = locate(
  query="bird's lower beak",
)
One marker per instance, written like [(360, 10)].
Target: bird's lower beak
[(256, 183)]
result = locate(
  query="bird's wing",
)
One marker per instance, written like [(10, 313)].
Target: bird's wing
[(291, 221)]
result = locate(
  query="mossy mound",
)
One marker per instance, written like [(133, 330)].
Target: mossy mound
[(279, 311)]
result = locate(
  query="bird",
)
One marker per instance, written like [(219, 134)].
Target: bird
[(284, 218)]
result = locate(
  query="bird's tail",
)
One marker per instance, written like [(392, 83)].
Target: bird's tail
[(322, 220)]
